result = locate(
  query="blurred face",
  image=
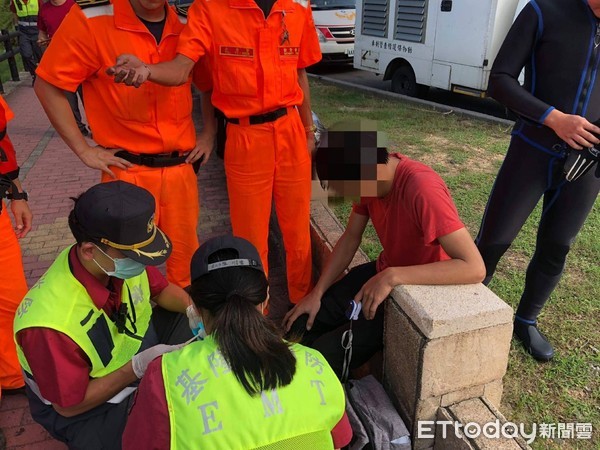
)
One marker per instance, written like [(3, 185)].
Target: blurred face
[(354, 189), (595, 7)]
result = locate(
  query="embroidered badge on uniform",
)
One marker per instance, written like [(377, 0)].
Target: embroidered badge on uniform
[(236, 51), (89, 3), (289, 51)]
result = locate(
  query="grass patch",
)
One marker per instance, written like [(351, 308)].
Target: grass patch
[(467, 154), (6, 22)]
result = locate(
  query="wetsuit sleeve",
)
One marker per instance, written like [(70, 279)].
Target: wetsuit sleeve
[(516, 51)]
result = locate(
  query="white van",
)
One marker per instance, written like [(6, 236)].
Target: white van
[(334, 20), (447, 44)]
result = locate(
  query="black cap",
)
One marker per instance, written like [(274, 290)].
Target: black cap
[(121, 215), (247, 255)]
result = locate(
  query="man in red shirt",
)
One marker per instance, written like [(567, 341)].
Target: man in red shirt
[(51, 15), (423, 240), (87, 330)]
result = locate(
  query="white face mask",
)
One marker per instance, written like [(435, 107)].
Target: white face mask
[(124, 267)]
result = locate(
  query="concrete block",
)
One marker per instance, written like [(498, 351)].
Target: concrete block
[(426, 410), (464, 360), (449, 441), (447, 310), (403, 346), (493, 392), (464, 394), (478, 411)]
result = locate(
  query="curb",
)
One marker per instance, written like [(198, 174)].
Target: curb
[(10, 85), (417, 101)]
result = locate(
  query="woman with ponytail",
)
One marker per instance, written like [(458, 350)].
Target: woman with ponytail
[(240, 386)]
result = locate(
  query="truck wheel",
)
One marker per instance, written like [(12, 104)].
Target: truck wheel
[(404, 81)]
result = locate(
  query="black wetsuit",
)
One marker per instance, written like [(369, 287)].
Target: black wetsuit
[(557, 43)]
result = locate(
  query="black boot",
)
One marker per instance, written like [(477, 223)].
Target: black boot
[(533, 340)]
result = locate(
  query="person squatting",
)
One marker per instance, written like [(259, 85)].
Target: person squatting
[(116, 355)]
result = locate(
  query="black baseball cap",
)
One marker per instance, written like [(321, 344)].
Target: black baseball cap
[(247, 255), (121, 215)]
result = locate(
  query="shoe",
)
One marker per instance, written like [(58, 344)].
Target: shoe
[(84, 131), (533, 340)]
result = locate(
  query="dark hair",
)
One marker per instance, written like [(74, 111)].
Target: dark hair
[(350, 156), (252, 346)]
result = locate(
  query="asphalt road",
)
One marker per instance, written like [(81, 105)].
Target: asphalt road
[(345, 72)]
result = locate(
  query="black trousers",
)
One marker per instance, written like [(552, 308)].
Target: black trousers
[(31, 53), (526, 175), (102, 427), (331, 323)]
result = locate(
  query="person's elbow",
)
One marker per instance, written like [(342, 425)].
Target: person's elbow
[(476, 272), (44, 90)]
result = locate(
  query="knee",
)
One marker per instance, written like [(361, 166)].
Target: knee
[(550, 257)]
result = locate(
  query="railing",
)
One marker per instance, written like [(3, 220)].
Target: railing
[(9, 55)]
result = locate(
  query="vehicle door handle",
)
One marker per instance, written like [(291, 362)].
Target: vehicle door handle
[(446, 5)]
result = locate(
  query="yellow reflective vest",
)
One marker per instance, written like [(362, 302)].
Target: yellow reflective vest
[(60, 302), (27, 13), (209, 408)]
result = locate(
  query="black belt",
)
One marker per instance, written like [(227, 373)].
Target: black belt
[(155, 160), (263, 118)]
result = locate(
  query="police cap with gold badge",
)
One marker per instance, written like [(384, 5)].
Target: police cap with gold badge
[(121, 215)]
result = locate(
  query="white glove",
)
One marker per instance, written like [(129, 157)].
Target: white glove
[(193, 317), (140, 361)]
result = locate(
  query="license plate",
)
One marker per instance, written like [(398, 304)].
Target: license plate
[(350, 52)]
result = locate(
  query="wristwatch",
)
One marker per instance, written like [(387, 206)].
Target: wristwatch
[(19, 196)]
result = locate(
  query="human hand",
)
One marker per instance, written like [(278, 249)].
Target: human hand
[(374, 292), (308, 305), (140, 361), (23, 216), (43, 43), (193, 317), (130, 70), (203, 149), (101, 158), (575, 130)]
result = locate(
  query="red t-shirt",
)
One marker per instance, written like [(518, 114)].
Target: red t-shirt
[(51, 16), (148, 425), (59, 366), (412, 216)]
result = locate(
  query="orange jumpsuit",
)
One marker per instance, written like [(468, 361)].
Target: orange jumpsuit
[(13, 286), (150, 120), (255, 62)]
